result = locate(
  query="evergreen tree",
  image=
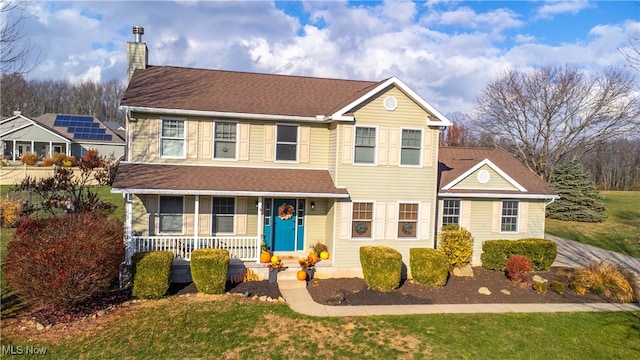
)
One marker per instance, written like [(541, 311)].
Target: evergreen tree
[(579, 198)]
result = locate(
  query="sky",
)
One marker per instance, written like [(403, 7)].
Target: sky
[(446, 51)]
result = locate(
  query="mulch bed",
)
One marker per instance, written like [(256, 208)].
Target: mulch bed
[(458, 290)]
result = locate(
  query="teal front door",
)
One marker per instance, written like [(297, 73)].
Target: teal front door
[(284, 225)]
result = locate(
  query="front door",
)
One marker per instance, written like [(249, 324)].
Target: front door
[(284, 225)]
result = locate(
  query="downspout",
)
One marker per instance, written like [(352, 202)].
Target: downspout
[(196, 221)]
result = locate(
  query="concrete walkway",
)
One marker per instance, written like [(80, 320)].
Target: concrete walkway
[(570, 253)]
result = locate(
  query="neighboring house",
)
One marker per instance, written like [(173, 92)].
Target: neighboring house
[(226, 159), (58, 133)]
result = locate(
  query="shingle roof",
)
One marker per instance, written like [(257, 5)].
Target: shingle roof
[(168, 87), (455, 161), (192, 179)]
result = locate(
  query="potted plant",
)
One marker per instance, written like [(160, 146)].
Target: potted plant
[(321, 251), (307, 264), (274, 268), (265, 255)]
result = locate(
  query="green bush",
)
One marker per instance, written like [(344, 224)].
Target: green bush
[(540, 287), (381, 267), (457, 243), (429, 267), (209, 268), (151, 273), (557, 286), (496, 253)]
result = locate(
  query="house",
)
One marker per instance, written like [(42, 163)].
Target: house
[(228, 159), (66, 134)]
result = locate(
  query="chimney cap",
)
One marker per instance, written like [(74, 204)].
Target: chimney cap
[(138, 30)]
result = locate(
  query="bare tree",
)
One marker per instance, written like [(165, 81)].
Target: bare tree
[(557, 113), (632, 53), (14, 45)]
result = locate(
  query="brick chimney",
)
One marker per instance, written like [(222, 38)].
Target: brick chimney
[(138, 54)]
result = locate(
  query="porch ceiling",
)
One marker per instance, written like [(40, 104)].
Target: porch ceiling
[(219, 180)]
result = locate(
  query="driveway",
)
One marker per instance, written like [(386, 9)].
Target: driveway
[(574, 254)]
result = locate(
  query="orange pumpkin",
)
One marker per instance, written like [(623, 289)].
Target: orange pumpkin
[(265, 257), (313, 256), (301, 275)]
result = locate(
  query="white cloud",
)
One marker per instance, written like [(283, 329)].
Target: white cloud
[(552, 8)]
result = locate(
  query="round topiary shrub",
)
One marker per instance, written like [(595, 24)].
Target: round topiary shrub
[(381, 267), (429, 267), (518, 268), (457, 243), (62, 260)]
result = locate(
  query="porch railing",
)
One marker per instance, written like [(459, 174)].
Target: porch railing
[(244, 248)]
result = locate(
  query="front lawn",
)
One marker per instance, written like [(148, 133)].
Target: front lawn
[(225, 327), (619, 232)]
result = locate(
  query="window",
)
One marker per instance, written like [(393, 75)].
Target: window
[(407, 221), (411, 147), (300, 212), (223, 212), (287, 143), (451, 212), (224, 140), (509, 219), (365, 152), (362, 220), (171, 210), (172, 138)]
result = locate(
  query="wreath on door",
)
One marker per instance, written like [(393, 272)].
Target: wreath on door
[(285, 211)]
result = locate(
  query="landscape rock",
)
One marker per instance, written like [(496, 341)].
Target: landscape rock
[(484, 291), (539, 279), (466, 271), (505, 291)]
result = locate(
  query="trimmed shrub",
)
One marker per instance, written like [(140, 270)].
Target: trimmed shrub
[(209, 268), (381, 267), (457, 244), (62, 260), (429, 267), (612, 280), (496, 253), (557, 286), (151, 274), (518, 268), (540, 287), (29, 158)]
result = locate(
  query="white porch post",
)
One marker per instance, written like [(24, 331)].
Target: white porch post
[(260, 227), (33, 146), (128, 224), (68, 149), (196, 221), (14, 151), (50, 148)]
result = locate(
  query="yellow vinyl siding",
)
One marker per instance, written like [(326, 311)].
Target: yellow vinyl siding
[(255, 143), (496, 181), (386, 183), (315, 222)]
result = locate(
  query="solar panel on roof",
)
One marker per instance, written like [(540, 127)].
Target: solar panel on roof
[(82, 127)]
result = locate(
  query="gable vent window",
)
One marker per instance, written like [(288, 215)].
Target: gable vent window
[(390, 103)]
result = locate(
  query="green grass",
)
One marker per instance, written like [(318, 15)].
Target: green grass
[(619, 232), (221, 327)]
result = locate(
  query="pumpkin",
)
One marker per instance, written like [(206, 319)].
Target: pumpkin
[(302, 275), (275, 259), (324, 255), (313, 256), (265, 257)]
